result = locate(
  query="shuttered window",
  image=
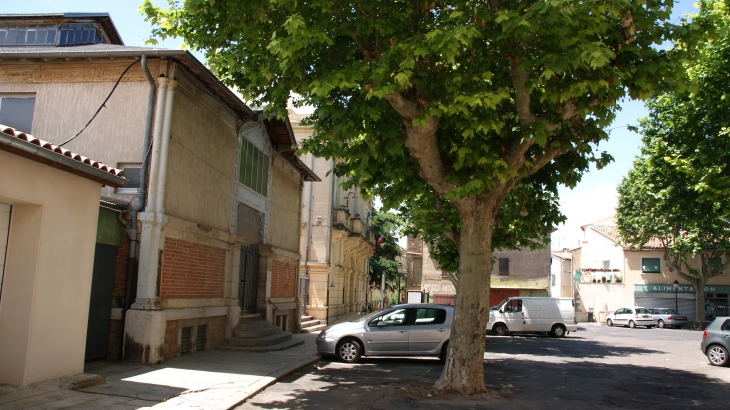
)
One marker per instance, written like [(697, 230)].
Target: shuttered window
[(504, 266)]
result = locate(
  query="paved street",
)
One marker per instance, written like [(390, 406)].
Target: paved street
[(597, 367)]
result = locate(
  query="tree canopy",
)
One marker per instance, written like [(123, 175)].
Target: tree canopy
[(385, 225), (678, 189), (465, 97)]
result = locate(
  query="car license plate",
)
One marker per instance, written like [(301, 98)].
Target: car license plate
[(680, 318), (645, 316)]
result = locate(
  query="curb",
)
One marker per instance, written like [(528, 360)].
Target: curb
[(259, 386)]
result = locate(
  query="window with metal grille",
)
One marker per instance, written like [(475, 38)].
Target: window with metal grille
[(185, 340), (249, 224), (200, 338), (254, 168), (504, 266)]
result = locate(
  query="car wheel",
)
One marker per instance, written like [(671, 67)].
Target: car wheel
[(632, 324), (609, 322), (660, 324), (717, 355), (444, 352), (499, 329), (349, 350), (558, 331)]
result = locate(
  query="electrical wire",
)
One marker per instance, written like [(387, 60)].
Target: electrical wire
[(101, 106)]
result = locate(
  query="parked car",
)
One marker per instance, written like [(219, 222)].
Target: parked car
[(631, 317), (667, 317), (716, 341), (555, 316), (401, 330)]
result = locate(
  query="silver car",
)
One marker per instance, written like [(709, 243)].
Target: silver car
[(400, 330), (631, 317), (667, 317)]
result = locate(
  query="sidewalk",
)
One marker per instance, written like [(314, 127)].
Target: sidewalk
[(212, 379)]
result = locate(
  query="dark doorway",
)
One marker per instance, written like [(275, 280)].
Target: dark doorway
[(249, 279), (100, 302)]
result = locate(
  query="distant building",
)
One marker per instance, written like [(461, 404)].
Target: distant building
[(514, 273)]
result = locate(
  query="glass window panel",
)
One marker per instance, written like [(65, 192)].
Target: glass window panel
[(21, 34), (64, 35), (715, 264), (650, 265), (133, 175), (17, 113), (265, 178), (249, 164), (12, 34), (3, 35), (242, 163), (259, 166), (31, 36), (42, 34), (52, 36)]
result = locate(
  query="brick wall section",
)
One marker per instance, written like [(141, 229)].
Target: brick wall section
[(170, 349), (120, 268), (191, 270), (114, 340), (282, 279)]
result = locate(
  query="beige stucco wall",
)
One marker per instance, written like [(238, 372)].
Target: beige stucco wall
[(45, 301), (67, 95), (201, 159), (284, 207)]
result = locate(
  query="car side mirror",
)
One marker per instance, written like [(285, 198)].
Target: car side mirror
[(381, 324)]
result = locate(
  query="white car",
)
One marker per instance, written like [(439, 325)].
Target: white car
[(631, 317)]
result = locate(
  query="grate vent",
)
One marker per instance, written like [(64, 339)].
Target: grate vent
[(185, 340), (200, 340)]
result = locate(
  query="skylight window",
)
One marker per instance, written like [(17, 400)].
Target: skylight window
[(50, 34)]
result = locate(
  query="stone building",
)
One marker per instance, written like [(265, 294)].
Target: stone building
[(514, 273), (336, 241), (207, 224)]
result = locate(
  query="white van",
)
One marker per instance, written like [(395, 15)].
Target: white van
[(555, 316)]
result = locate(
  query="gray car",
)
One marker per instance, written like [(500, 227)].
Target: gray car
[(667, 317), (716, 341), (400, 330)]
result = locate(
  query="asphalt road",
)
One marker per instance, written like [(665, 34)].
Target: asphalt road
[(595, 368)]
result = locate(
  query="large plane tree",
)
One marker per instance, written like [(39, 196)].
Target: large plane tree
[(467, 96)]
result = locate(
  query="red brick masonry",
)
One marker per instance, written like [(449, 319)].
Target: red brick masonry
[(282, 279), (191, 270)]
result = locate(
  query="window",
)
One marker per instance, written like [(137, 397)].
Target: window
[(80, 33), (553, 279), (650, 265), (133, 173), (606, 264), (715, 264), (17, 112), (430, 316), (513, 306), (254, 168), (504, 266), (393, 318), (28, 34)]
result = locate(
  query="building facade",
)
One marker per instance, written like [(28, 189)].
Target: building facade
[(213, 205), (335, 241), (514, 273), (611, 275)]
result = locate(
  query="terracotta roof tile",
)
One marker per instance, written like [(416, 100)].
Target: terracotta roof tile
[(611, 233), (47, 145)]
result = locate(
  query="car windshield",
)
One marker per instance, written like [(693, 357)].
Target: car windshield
[(371, 315)]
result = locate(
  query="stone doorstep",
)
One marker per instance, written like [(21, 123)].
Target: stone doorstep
[(313, 329), (260, 341), (252, 324), (258, 332), (81, 381), (309, 323)]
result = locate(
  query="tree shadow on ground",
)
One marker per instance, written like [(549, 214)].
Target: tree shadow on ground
[(570, 346), (379, 383)]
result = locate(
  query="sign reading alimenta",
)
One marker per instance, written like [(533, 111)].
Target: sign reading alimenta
[(682, 289)]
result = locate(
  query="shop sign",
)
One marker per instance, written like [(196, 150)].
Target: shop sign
[(682, 288)]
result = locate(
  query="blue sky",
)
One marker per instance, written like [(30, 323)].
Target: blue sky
[(594, 198)]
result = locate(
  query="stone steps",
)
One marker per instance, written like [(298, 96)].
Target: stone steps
[(254, 334), (313, 329)]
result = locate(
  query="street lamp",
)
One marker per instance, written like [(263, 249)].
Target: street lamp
[(676, 287)]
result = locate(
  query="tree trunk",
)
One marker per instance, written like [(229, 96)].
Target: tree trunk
[(464, 368), (700, 298)]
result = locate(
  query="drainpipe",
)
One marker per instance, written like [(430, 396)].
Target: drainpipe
[(164, 149), (131, 227), (309, 227), (331, 258)]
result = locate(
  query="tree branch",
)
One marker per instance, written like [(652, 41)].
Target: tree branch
[(421, 142)]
